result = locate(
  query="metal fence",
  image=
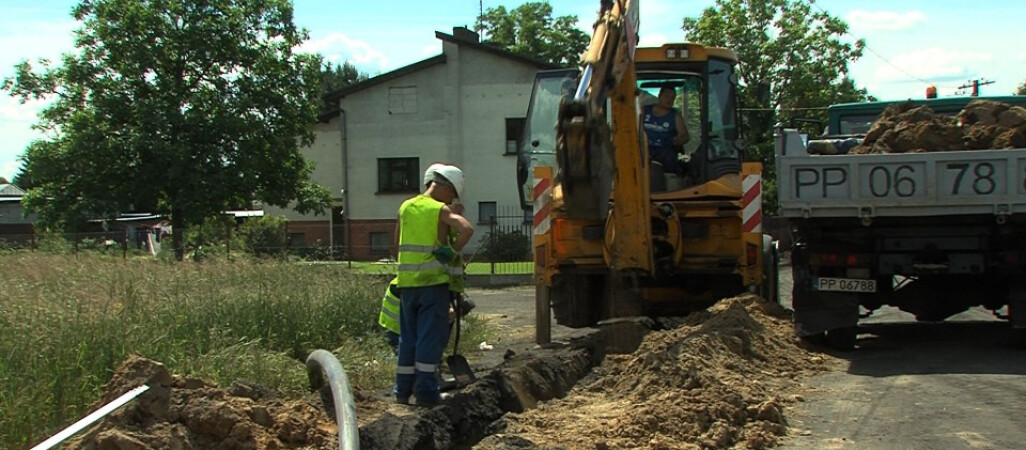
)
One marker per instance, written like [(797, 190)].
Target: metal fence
[(504, 246)]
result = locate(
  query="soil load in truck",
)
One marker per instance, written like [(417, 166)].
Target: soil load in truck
[(925, 212)]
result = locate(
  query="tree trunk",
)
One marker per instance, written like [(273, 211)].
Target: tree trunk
[(178, 234)]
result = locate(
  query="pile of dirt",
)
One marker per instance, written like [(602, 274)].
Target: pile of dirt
[(189, 413), (714, 379), (982, 124), (718, 380)]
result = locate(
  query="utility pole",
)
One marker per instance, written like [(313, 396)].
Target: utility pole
[(975, 84), (480, 14)]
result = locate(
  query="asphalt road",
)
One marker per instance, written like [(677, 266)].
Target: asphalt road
[(954, 385), (959, 384)]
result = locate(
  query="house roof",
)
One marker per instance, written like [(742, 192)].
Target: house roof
[(333, 96), (10, 190), (461, 36), (472, 42)]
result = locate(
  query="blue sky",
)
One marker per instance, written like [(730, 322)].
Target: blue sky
[(912, 43)]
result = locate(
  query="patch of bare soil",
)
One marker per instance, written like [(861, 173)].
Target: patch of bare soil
[(188, 413), (720, 379), (982, 124)]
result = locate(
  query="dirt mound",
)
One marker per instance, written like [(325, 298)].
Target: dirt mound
[(715, 381), (982, 124), (189, 413)]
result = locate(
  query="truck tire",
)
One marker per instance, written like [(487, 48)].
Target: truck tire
[(842, 338), (770, 287)]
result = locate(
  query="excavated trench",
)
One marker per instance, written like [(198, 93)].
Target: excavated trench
[(717, 378), (518, 385)]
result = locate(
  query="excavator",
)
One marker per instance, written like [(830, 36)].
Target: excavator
[(616, 235)]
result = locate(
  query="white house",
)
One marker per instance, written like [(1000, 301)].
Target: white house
[(465, 107), (14, 226)]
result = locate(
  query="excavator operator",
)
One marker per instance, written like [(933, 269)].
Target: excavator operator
[(666, 131)]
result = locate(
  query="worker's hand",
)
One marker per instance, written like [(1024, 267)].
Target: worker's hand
[(445, 254), (456, 208)]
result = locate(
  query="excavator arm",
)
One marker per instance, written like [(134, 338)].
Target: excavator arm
[(601, 153)]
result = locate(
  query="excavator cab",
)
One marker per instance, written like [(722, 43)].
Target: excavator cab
[(538, 142), (705, 94)]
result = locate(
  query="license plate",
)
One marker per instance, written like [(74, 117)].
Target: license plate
[(845, 285)]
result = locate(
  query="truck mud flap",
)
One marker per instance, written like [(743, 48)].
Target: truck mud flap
[(1017, 307), (818, 312)]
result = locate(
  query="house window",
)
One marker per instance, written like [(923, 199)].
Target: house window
[(380, 242), (486, 213), (514, 128), (402, 100), (398, 175)]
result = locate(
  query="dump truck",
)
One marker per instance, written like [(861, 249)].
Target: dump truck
[(616, 235), (930, 232)]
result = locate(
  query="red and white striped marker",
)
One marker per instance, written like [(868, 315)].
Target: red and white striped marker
[(751, 203)]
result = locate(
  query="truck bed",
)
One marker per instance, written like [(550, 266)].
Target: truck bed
[(898, 185)]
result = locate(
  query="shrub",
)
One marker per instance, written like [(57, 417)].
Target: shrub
[(502, 246), (264, 236)]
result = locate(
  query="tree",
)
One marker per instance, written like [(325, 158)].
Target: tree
[(173, 106), (792, 59), (1021, 90), (23, 179), (338, 76), (529, 30)]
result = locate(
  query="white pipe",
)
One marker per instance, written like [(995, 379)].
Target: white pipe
[(323, 362), (87, 420)]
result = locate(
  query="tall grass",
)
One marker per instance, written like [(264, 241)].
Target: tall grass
[(66, 322)]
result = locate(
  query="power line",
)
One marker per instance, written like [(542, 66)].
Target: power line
[(870, 50)]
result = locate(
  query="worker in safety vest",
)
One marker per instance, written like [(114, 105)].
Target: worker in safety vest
[(389, 315), (388, 318), (424, 275)]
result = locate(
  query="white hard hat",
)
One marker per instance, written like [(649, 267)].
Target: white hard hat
[(429, 174), (453, 175)]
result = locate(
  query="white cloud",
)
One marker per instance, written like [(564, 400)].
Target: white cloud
[(863, 21), (8, 169), (340, 47), (428, 51), (652, 40), (34, 40), (934, 64)]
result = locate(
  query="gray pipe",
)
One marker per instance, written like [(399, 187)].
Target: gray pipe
[(319, 363)]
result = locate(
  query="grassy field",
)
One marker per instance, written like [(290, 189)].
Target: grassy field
[(66, 322)]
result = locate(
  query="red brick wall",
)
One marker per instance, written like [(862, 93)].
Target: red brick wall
[(360, 237), (312, 230)]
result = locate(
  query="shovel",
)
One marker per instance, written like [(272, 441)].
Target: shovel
[(458, 365)]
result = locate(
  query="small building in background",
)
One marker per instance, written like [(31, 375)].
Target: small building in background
[(15, 228)]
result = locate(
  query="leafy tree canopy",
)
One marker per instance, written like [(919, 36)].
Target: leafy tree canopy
[(530, 30), (1021, 90), (793, 63), (784, 46), (338, 76), (179, 107)]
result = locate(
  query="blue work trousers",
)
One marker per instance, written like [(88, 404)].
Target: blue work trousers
[(423, 335)]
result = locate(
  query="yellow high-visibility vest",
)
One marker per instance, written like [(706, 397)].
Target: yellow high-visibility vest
[(389, 316), (418, 238)]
